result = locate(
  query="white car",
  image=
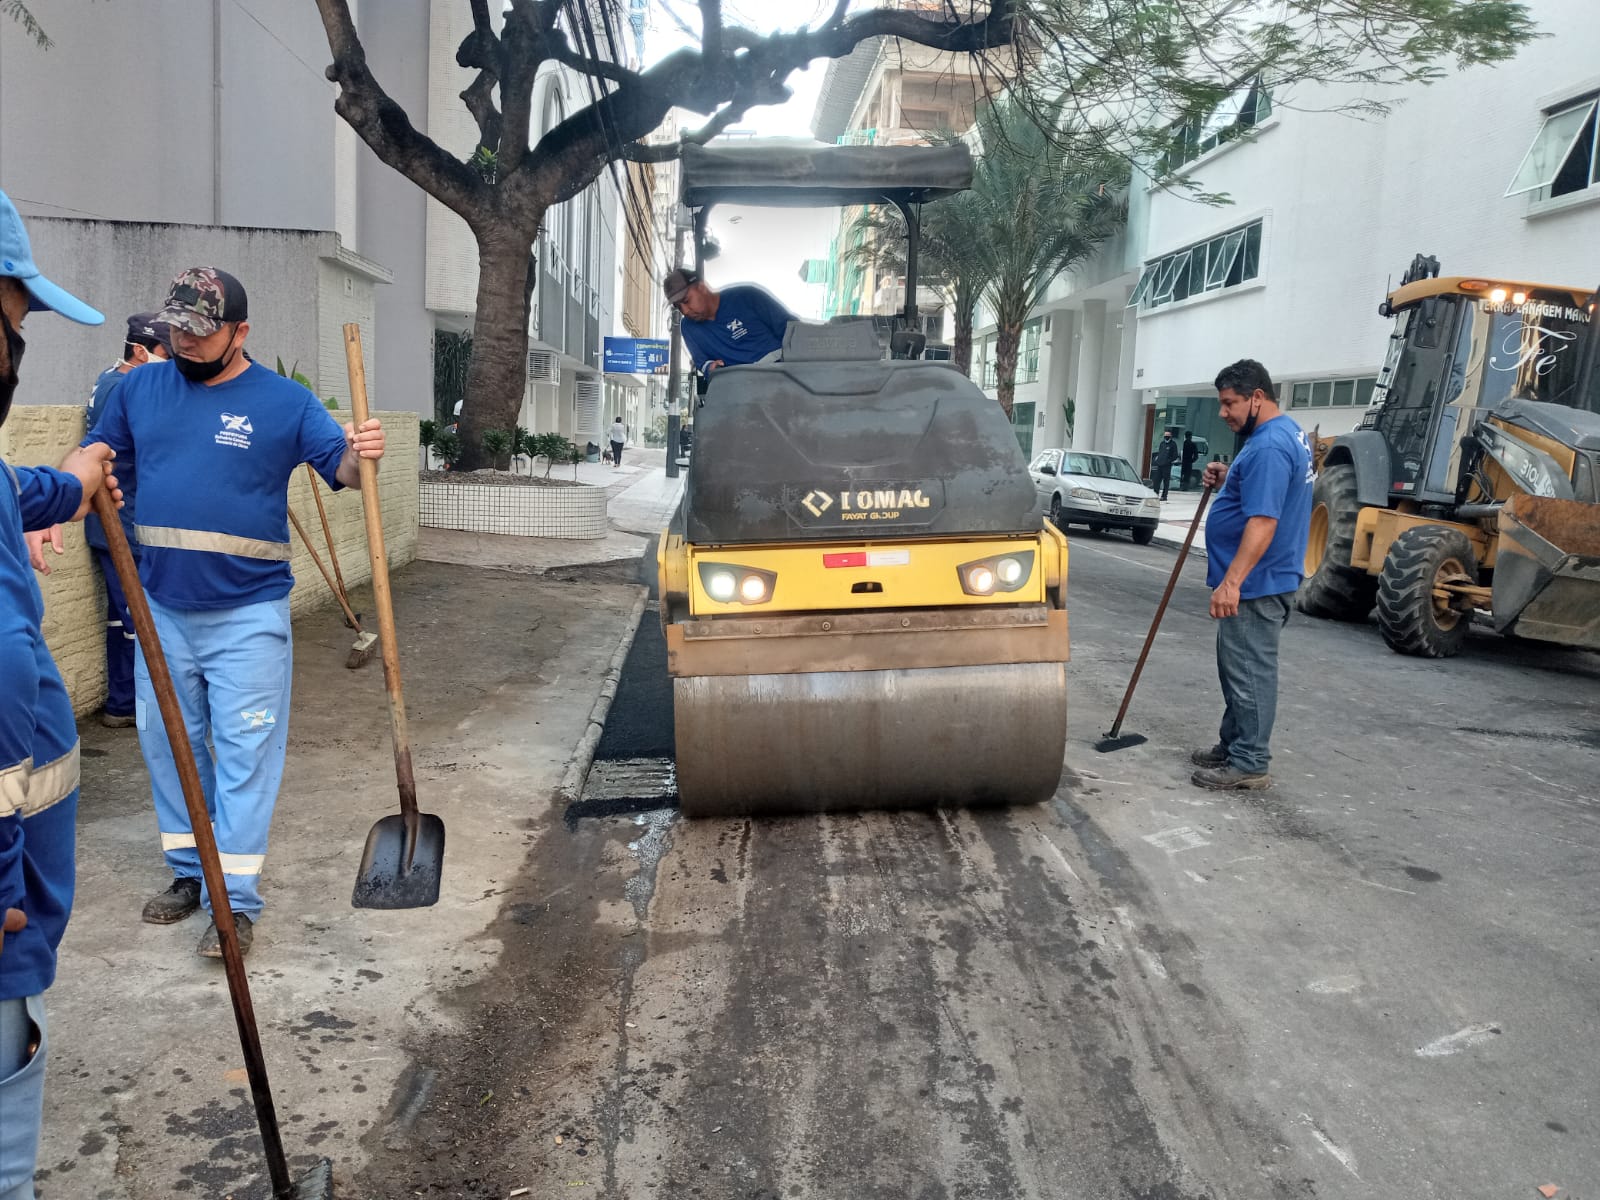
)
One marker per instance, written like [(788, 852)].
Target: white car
[(1101, 491)]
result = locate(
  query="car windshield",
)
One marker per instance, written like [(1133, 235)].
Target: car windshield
[(1101, 466)]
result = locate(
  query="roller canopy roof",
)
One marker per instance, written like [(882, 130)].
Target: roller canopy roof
[(800, 174)]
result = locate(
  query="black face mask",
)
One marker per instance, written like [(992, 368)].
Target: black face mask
[(1249, 425), (199, 372), (8, 382)]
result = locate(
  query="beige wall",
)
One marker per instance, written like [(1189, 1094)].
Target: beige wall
[(74, 618)]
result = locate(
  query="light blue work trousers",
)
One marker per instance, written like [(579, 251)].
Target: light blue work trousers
[(21, 1093), (232, 669)]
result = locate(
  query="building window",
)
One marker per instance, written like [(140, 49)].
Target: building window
[(1565, 155), (1028, 352), (1224, 261), (1245, 107), (1332, 393)]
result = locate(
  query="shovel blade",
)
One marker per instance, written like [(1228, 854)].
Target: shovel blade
[(315, 1184), (385, 880)]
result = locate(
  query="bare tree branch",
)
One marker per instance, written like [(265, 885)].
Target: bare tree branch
[(711, 29), (384, 126), (481, 50)]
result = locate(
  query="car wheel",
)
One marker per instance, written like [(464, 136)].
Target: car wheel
[(1144, 536), (1055, 513)]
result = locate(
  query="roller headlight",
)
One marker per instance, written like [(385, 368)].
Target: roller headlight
[(1002, 573), (729, 583)]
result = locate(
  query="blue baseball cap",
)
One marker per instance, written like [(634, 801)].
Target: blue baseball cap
[(16, 260)]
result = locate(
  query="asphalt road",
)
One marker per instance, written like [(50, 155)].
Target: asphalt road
[(1377, 979)]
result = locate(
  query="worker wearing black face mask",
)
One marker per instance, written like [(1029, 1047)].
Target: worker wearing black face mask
[(1255, 558), (38, 736)]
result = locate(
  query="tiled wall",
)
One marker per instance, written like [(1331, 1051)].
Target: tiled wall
[(559, 512), (74, 598)]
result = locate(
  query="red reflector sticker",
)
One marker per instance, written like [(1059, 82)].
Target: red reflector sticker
[(856, 558)]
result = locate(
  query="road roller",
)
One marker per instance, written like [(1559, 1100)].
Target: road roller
[(863, 605)]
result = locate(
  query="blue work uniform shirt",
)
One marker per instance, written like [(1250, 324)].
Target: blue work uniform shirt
[(214, 468), (127, 478), (1270, 477), (38, 741), (748, 326)]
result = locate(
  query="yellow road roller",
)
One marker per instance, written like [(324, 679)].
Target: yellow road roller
[(864, 607)]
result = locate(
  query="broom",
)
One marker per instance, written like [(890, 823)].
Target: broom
[(366, 642)]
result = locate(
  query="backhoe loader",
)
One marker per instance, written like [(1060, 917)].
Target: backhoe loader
[(1470, 491)]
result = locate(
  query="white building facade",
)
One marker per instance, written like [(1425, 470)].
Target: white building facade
[(1327, 211)]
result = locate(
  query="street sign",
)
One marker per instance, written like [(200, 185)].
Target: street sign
[(635, 356)]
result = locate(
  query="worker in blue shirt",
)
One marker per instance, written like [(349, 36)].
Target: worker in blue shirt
[(1255, 558), (216, 438), (738, 325), (147, 342), (38, 736)]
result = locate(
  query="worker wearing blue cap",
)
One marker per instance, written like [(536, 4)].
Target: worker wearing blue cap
[(38, 737)]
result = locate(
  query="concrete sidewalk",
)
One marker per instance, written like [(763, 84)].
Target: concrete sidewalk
[(1177, 513), (146, 1097)]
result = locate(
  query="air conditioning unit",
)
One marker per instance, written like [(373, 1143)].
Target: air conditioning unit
[(543, 366), (588, 403)]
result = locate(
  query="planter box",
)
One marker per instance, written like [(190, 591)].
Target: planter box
[(528, 510)]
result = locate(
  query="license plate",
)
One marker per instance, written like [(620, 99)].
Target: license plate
[(1120, 512)]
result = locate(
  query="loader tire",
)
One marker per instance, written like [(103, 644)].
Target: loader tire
[(1412, 619), (1332, 587)]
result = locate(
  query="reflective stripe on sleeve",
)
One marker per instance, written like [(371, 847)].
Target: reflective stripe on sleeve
[(213, 543), (27, 790)]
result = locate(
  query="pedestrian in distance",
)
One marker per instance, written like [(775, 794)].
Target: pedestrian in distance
[(619, 434), (1255, 555), (217, 437), (147, 342), (1161, 467), (738, 325), (38, 735), (1190, 453)]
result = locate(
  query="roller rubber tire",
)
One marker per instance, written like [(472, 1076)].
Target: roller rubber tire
[(1337, 590), (1407, 615)]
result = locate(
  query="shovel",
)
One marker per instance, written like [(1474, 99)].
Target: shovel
[(404, 855), (1115, 739), (317, 1184)]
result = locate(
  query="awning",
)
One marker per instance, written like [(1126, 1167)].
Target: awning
[(803, 174)]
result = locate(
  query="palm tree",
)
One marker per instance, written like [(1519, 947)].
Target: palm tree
[(1042, 207)]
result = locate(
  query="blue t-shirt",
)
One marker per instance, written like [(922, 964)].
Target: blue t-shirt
[(748, 326), (1270, 477), (214, 468), (127, 478)]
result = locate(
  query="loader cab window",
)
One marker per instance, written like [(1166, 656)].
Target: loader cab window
[(1534, 350)]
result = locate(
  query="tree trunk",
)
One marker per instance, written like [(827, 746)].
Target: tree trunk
[(1008, 337), (961, 343), (498, 376)]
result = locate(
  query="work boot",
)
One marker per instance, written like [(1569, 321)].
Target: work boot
[(174, 904), (117, 720), (1228, 778), (1217, 756), (211, 943)]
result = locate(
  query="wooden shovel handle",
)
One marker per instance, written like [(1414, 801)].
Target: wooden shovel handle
[(244, 1013), (383, 599)]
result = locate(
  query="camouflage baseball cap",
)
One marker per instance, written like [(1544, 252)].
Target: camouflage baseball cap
[(202, 300)]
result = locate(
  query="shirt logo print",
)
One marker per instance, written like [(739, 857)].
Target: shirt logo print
[(736, 329), (236, 431), (259, 719)]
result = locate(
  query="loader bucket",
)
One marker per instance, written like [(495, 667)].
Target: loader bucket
[(1547, 574)]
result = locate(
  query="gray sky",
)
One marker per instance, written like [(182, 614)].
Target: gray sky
[(761, 245)]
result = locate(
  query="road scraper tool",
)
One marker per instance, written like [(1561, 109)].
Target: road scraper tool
[(1470, 491), (863, 604)]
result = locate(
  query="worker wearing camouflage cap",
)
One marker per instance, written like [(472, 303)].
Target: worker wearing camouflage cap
[(216, 437)]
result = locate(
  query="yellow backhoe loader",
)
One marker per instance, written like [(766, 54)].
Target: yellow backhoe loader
[(1471, 489)]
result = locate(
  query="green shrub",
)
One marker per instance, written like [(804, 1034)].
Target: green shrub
[(553, 448), (495, 443), (447, 446)]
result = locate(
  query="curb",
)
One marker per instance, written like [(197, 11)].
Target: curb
[(1198, 550), (570, 788)]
